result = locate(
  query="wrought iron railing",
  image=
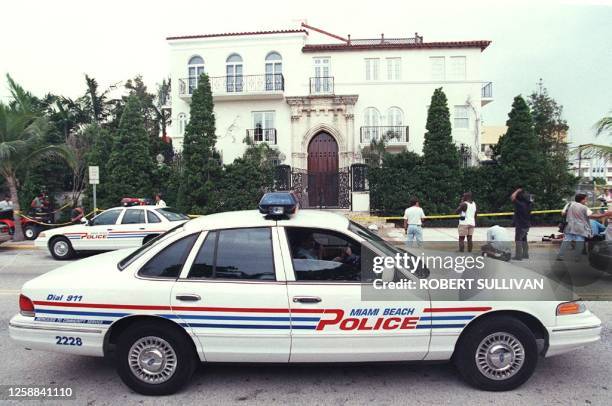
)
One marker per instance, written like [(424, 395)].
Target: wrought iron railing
[(487, 91), (390, 134), (322, 85), (258, 135), (236, 84)]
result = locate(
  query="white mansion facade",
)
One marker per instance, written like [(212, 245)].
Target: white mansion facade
[(320, 98)]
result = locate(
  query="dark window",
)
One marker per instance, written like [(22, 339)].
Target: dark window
[(133, 216), (324, 255), (172, 214), (169, 261), (107, 218), (203, 263), (244, 253), (152, 218)]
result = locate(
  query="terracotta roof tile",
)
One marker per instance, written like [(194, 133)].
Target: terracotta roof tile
[(236, 34), (420, 45)]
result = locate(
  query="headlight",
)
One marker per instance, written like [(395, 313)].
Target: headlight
[(574, 307)]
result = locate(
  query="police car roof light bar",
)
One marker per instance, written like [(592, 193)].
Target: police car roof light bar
[(278, 204)]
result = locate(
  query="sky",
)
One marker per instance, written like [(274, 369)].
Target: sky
[(48, 46)]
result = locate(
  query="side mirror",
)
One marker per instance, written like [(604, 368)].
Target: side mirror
[(84, 221)]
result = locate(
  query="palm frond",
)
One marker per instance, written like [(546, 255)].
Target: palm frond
[(604, 125), (596, 151)]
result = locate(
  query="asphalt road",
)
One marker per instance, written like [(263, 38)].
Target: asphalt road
[(581, 377)]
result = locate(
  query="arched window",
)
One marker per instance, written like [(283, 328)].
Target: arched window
[(395, 121), (182, 124), (371, 125), (195, 68), (274, 71), (233, 69)]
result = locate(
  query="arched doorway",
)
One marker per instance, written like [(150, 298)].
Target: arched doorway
[(323, 171)]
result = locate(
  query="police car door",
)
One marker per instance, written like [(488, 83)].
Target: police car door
[(96, 235), (130, 230), (329, 318), (233, 295)]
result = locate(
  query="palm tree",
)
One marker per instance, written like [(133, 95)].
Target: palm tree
[(22, 133), (603, 126)]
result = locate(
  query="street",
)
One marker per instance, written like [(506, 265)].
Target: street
[(581, 377)]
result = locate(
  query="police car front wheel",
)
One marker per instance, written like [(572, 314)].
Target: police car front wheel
[(61, 248), (153, 359), (497, 354)]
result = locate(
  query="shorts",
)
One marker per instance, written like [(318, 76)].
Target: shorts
[(465, 229)]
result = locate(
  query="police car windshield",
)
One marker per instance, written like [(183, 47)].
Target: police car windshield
[(172, 214), (373, 239), (146, 247)]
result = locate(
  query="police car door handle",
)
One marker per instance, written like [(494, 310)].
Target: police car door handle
[(188, 297), (306, 299)]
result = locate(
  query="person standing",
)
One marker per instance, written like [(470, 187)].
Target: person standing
[(467, 221), (158, 201), (522, 222), (6, 204), (413, 223), (578, 227)]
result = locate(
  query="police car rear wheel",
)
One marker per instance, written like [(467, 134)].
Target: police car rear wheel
[(153, 359), (61, 248), (497, 354)]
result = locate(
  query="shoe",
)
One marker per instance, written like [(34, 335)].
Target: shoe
[(517, 258), (559, 259)]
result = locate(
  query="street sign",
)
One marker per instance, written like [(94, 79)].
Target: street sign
[(94, 175)]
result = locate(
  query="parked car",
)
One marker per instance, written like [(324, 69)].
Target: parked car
[(113, 229), (600, 255), (5, 235), (246, 287)]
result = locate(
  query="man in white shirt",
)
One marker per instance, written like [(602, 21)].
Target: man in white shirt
[(158, 201), (467, 221), (6, 204), (413, 223)]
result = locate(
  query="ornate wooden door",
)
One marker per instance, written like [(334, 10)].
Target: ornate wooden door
[(323, 171)]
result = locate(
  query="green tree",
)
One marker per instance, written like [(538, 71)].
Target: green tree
[(22, 135), (551, 130), (201, 162), (395, 181), (441, 174), (519, 154), (130, 165)]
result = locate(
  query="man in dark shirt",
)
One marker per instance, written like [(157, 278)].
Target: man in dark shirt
[(522, 222)]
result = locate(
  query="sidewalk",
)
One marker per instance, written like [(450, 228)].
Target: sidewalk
[(17, 245), (389, 233)]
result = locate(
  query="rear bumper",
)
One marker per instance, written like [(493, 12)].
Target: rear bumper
[(565, 338), (48, 336)]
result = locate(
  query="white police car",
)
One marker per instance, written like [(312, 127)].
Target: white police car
[(243, 287), (116, 228)]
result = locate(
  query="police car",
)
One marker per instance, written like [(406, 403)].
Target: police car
[(276, 288), (116, 228)]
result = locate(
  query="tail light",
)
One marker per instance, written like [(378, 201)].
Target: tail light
[(570, 308), (26, 307)]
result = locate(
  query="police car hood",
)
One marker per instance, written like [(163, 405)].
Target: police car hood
[(89, 272), (496, 280), (75, 228)]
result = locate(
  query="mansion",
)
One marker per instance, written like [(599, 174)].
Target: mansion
[(320, 98)]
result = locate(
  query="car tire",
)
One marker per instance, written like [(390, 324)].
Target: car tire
[(30, 232), (497, 354), (153, 359), (61, 249)]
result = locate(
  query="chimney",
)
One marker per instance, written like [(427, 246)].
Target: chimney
[(349, 39), (382, 38)]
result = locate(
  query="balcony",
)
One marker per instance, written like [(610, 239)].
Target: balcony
[(486, 94), (322, 85), (392, 135), (259, 135), (243, 87)]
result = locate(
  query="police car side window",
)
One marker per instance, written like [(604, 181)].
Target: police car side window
[(152, 217), (107, 218), (323, 255), (168, 262), (244, 253), (133, 216)]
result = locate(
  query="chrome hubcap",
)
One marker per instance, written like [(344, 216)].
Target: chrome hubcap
[(500, 356), (152, 360), (29, 232), (60, 248)]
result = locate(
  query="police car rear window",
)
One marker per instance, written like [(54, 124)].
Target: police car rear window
[(172, 214), (146, 247)]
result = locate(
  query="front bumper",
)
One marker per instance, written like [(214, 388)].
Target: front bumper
[(573, 332), (41, 242), (48, 336)]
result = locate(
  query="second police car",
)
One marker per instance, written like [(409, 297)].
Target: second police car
[(247, 287), (116, 228)]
